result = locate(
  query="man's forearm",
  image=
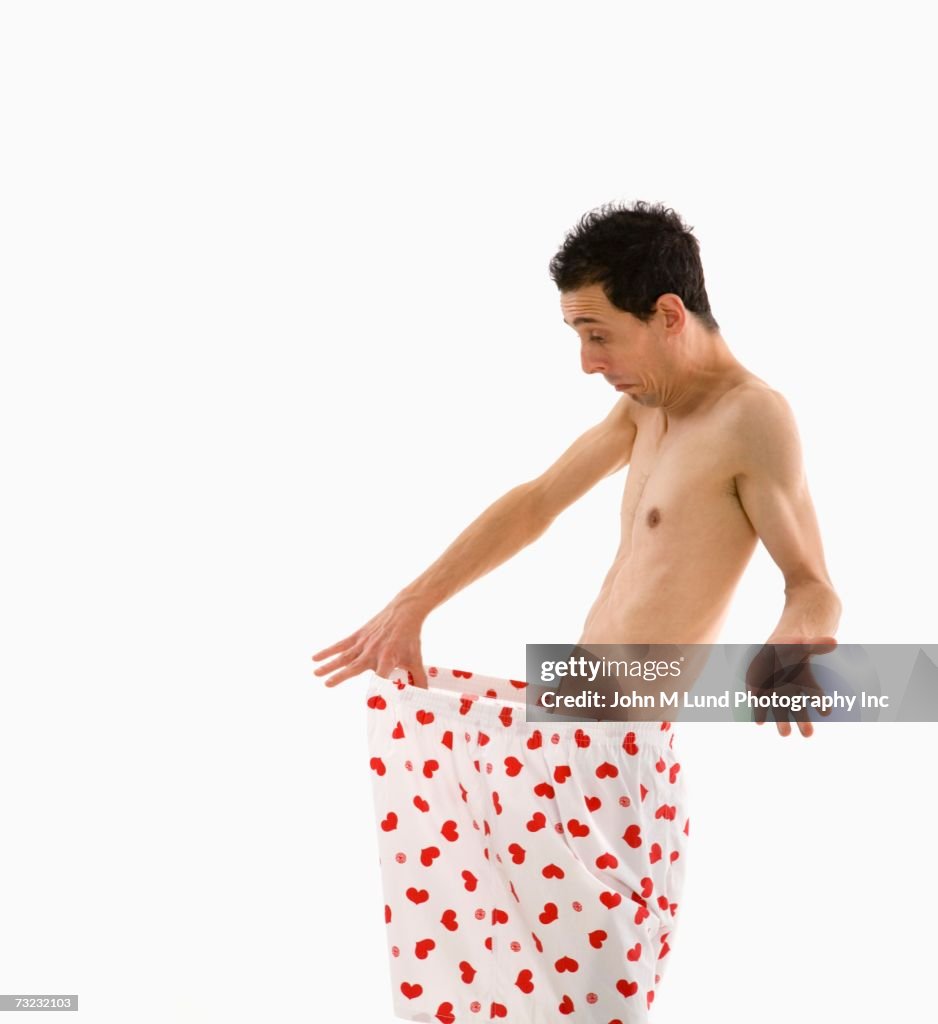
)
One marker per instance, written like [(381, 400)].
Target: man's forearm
[(812, 609), (503, 529)]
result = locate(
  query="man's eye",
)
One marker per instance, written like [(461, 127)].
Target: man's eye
[(596, 337)]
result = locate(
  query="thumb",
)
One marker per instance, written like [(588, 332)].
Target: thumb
[(419, 674)]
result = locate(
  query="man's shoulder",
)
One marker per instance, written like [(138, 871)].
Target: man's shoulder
[(752, 402), (760, 420)]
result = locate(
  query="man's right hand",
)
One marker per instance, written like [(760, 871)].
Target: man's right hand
[(388, 641)]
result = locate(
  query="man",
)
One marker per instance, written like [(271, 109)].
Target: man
[(714, 465)]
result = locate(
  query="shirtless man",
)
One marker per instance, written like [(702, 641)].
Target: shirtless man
[(714, 465)]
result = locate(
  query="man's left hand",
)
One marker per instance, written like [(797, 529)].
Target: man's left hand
[(783, 666)]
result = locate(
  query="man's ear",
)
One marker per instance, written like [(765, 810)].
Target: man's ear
[(674, 312)]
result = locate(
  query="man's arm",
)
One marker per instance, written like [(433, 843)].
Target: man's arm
[(392, 639), (774, 494)]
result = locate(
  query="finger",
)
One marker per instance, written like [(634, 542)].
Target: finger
[(335, 648), (804, 722), (352, 670), (781, 721), (419, 675), (332, 666)]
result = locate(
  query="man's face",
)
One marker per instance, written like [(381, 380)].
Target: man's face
[(627, 352)]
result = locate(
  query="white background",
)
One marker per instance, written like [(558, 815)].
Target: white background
[(277, 325)]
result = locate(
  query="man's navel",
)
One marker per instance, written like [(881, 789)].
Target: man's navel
[(653, 517)]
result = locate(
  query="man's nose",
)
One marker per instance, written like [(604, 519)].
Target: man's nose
[(592, 362)]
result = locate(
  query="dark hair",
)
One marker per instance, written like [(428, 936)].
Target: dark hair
[(636, 253)]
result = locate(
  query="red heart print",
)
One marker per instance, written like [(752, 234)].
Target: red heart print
[(465, 703), (461, 675), (565, 1005), (641, 913), (504, 716), (672, 774), (377, 766), (643, 790), (561, 773), (444, 1013), (633, 836), (593, 803), (448, 920), (544, 789), (660, 765), (429, 767), (468, 972), (398, 732), (627, 988), (512, 766), (421, 804), (647, 886), (411, 991), (498, 1011), (377, 701), (610, 899), (663, 902), (582, 740), (666, 811), (425, 717), (566, 963), (535, 740), (607, 771), (390, 822), (606, 860), (423, 947), (428, 855), (449, 831), (548, 914), (524, 982), (674, 856), (655, 853), (635, 952), (447, 739), (470, 881), (499, 916), (483, 739), (629, 745), (537, 822), (517, 853), (387, 914), (417, 896), (518, 684), (597, 938), (576, 829), (552, 871), (496, 803)]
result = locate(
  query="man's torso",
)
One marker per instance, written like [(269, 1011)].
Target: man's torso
[(685, 538)]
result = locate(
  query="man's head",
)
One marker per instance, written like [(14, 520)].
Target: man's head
[(631, 282)]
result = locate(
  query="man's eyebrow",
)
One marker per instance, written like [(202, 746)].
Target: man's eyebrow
[(583, 320)]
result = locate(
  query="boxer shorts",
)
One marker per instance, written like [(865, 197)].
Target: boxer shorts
[(531, 872)]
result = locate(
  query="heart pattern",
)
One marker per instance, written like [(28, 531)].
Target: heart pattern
[(525, 876)]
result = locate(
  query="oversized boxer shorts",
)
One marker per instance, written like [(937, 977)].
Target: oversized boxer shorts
[(531, 872)]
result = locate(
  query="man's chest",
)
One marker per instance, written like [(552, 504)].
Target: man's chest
[(680, 481)]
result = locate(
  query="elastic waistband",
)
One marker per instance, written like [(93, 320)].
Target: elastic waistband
[(468, 698)]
